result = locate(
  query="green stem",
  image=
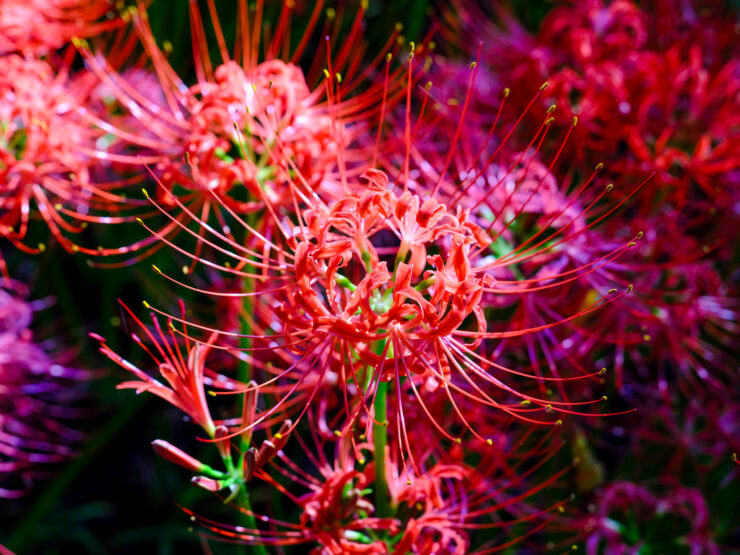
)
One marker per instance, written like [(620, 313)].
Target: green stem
[(248, 520), (380, 440)]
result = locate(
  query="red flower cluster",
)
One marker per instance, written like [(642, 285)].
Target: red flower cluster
[(418, 289)]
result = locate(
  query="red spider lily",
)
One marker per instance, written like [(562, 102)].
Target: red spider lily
[(37, 27), (246, 123), (680, 321), (371, 295), (44, 166), (667, 99), (434, 512), (352, 293), (38, 393), (419, 313)]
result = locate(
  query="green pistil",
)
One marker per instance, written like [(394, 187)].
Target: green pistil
[(223, 156), (343, 281), (367, 261), (424, 285), (381, 303)]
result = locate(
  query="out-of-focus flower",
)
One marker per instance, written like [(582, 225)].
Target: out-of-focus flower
[(630, 518), (38, 394), (251, 135), (46, 167), (656, 87), (38, 27)]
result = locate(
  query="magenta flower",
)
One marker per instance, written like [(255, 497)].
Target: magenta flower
[(625, 510), (38, 394), (656, 86)]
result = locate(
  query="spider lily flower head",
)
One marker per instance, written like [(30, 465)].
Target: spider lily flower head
[(626, 508), (38, 393), (38, 27), (248, 126), (662, 329), (384, 284), (45, 167)]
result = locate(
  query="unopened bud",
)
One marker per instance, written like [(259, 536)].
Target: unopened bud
[(176, 455)]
